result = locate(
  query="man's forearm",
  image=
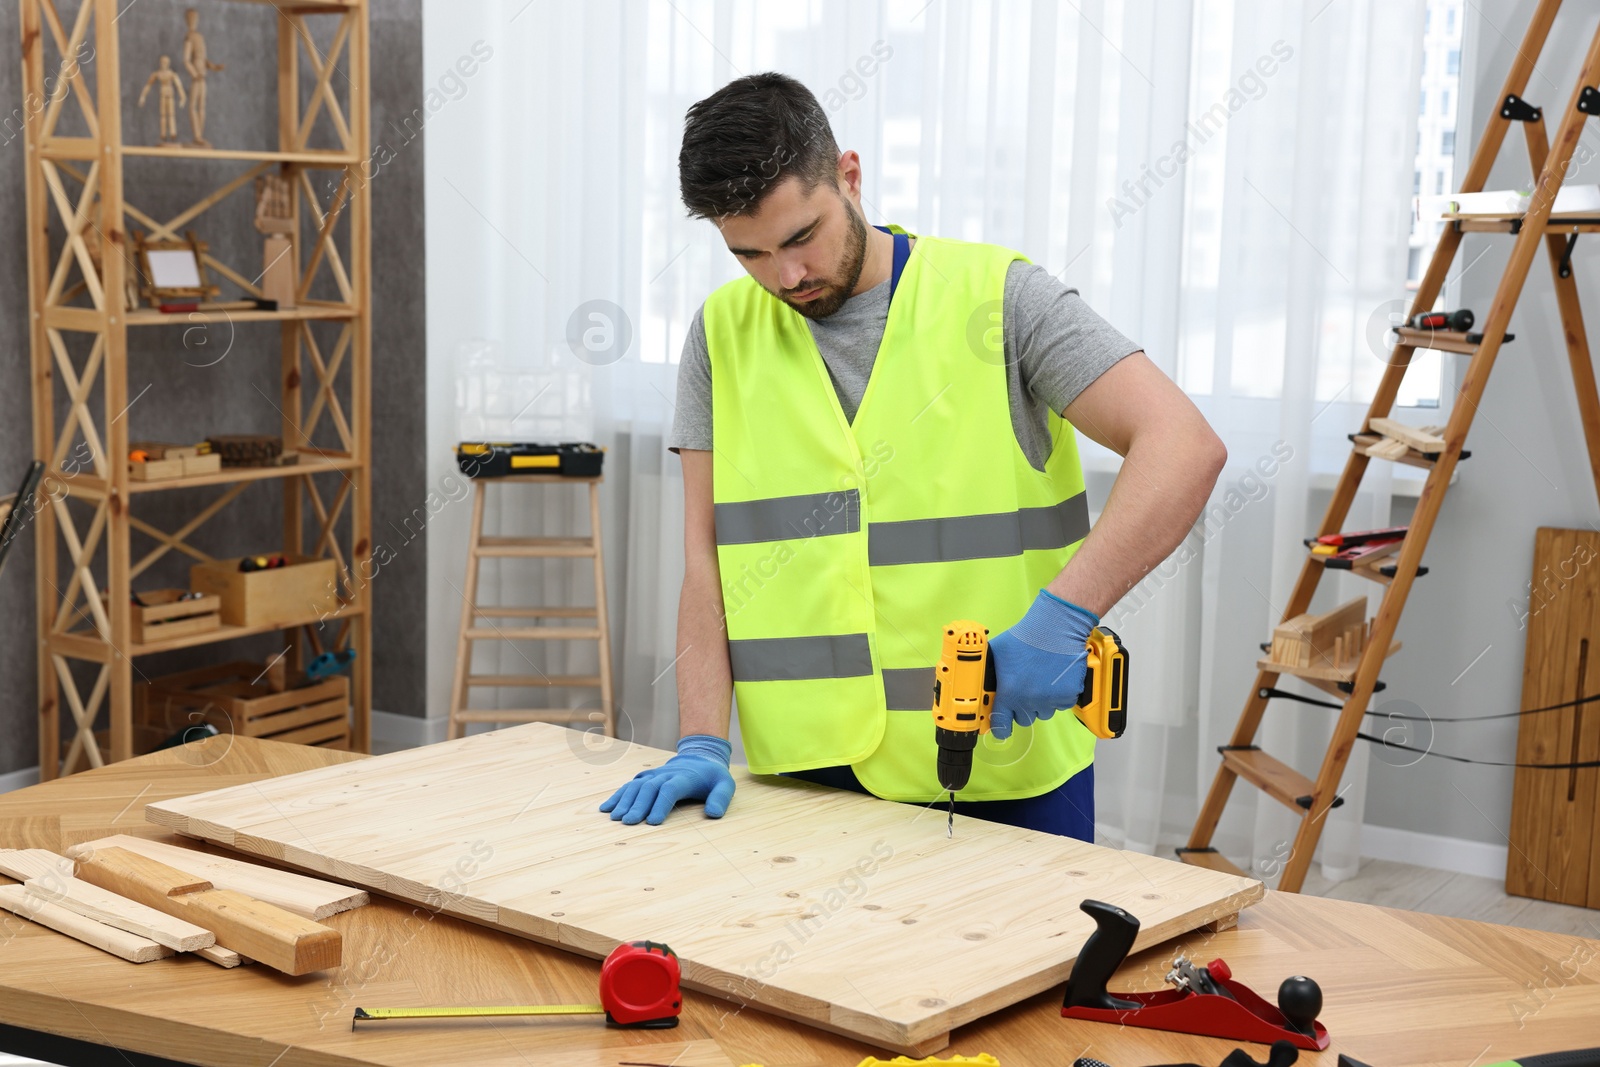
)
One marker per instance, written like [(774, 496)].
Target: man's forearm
[(705, 680), (1164, 483)]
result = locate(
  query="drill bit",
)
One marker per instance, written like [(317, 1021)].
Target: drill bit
[(950, 819)]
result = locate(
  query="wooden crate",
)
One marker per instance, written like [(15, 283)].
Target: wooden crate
[(235, 698), (1555, 829), (164, 614), (301, 592)]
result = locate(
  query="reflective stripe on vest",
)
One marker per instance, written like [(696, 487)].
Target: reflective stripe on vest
[(909, 541), (845, 546)]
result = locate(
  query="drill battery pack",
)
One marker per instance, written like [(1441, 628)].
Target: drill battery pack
[(497, 459)]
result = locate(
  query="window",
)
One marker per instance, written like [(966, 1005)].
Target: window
[(1447, 143), (1438, 185), (1444, 103), (1422, 102), (1452, 61), (1450, 21)]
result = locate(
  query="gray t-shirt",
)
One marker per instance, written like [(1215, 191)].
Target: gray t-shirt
[(1055, 347)]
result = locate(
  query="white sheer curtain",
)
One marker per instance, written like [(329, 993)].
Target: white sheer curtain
[(1226, 180)]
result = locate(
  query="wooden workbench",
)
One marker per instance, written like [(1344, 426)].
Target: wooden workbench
[(1401, 988)]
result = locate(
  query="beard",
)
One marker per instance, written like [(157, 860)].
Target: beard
[(833, 296)]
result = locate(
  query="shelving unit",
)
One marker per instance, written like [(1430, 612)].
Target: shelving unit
[(79, 226)]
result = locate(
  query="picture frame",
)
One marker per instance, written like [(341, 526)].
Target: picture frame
[(172, 271)]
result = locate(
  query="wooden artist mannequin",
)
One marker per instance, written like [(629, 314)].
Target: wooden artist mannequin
[(195, 61), (170, 85)]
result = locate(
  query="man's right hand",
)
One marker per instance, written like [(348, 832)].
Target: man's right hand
[(698, 772)]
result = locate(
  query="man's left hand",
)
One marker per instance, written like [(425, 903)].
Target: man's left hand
[(1039, 663)]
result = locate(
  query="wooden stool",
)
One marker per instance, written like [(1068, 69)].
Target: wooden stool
[(482, 547)]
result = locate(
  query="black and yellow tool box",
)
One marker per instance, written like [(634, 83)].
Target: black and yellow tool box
[(499, 458)]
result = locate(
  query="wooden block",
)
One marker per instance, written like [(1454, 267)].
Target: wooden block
[(223, 957), (25, 863), (1417, 437), (131, 947), (278, 938), (104, 906), (313, 898)]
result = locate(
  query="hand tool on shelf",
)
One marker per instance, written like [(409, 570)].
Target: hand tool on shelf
[(639, 990), (964, 687), (1460, 321), (1203, 1000), (328, 664), (1347, 551)]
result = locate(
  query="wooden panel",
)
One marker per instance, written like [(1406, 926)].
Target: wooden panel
[(280, 939), (778, 905), (1555, 837)]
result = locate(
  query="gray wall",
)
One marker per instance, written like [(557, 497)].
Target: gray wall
[(192, 391), (1528, 469)]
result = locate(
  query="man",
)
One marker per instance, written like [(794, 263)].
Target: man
[(872, 443), (198, 65), (168, 83)]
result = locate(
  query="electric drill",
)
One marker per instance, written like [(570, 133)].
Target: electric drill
[(963, 694)]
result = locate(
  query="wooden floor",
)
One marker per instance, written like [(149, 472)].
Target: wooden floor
[(1461, 896)]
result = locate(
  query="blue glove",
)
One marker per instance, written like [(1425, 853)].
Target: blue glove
[(698, 772), (1039, 663)]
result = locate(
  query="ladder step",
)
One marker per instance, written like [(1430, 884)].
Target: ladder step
[(520, 681), (489, 612), (530, 715), (1445, 340), (1272, 776), (533, 633), (533, 547), (1211, 859)]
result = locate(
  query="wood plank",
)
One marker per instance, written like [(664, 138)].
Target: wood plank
[(1555, 837), (101, 905), (131, 947), (502, 829), (278, 938), (25, 863), (222, 957)]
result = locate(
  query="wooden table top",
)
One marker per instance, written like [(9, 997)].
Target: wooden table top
[(1400, 988)]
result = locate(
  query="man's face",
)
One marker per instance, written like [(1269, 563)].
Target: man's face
[(806, 249)]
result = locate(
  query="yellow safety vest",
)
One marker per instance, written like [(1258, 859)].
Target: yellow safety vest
[(845, 547)]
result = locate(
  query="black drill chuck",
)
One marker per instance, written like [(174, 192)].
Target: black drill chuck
[(955, 757)]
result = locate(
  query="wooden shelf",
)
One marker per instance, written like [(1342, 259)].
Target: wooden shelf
[(310, 463), (86, 644), (83, 309), (89, 149), (309, 310)]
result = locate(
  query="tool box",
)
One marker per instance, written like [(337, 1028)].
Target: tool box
[(500, 458)]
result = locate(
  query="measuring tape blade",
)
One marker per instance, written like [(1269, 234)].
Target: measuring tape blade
[(468, 1012)]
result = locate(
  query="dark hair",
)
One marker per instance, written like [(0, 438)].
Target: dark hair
[(743, 139)]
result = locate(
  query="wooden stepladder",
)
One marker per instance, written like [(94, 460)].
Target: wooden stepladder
[(523, 623), (1353, 680)]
